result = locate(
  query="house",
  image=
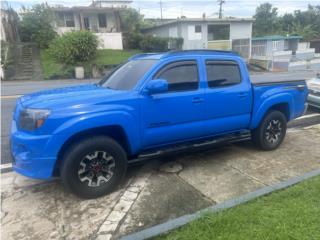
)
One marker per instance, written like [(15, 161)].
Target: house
[(101, 17), (208, 33), (283, 53), (269, 45)]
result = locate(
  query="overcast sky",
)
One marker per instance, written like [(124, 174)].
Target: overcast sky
[(190, 8)]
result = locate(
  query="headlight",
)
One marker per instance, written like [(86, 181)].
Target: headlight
[(32, 119)]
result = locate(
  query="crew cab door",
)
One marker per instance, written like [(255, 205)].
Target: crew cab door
[(177, 114), (228, 96)]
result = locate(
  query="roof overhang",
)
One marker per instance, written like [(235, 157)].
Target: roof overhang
[(202, 20), (86, 9)]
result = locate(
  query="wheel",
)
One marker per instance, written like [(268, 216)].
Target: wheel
[(93, 167), (271, 131)]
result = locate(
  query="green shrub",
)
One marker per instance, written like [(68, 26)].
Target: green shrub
[(153, 44), (74, 47), (148, 43), (134, 40)]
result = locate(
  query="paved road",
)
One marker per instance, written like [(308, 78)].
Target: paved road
[(11, 90)]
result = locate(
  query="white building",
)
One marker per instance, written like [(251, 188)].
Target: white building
[(209, 33), (101, 17)]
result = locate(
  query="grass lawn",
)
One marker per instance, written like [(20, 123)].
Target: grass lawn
[(293, 213), (105, 57)]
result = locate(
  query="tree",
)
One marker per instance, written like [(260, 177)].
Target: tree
[(131, 20), (36, 27), (306, 32), (266, 20)]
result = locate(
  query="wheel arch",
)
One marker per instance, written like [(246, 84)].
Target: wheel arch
[(115, 132), (282, 103)]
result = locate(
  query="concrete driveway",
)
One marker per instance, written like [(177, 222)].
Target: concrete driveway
[(154, 192)]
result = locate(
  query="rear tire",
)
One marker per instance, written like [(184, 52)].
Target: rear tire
[(93, 167), (271, 131)]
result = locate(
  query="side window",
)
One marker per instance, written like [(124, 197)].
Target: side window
[(198, 29), (222, 73), (181, 76)]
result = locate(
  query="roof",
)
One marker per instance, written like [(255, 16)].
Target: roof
[(200, 52), (84, 8), (202, 20), (276, 37)]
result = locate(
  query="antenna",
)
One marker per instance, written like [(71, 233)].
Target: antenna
[(220, 2)]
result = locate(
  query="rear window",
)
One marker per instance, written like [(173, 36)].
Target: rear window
[(222, 73)]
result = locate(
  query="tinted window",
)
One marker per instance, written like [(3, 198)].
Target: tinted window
[(181, 76), (222, 73), (126, 76)]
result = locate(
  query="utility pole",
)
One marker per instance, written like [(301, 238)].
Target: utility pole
[(220, 2), (160, 8)]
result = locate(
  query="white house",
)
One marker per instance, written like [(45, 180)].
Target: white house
[(209, 33), (101, 17)]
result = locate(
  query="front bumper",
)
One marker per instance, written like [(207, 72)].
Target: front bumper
[(30, 153)]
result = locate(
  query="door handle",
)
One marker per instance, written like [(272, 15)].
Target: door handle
[(243, 95), (197, 100)]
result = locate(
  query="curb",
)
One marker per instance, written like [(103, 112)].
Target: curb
[(180, 221), (7, 167)]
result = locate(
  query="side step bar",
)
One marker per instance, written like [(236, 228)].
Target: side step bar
[(232, 138)]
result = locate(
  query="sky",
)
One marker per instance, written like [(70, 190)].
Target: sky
[(189, 8)]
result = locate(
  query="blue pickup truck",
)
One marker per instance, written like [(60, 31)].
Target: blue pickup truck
[(150, 105)]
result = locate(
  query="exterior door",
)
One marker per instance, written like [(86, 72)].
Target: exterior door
[(177, 114), (228, 97), (86, 23)]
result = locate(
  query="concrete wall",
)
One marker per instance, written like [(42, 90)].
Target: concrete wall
[(110, 40), (159, 31), (193, 40), (240, 30)]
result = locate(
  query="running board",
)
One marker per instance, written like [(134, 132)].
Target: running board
[(232, 138)]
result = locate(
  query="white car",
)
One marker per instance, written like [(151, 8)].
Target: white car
[(314, 92)]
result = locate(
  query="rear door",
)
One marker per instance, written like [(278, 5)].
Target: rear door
[(175, 115), (228, 96)]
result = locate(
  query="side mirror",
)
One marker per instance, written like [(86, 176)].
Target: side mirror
[(156, 86)]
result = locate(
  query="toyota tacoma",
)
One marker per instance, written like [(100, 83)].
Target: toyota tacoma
[(150, 105)]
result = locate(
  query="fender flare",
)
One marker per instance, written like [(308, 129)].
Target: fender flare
[(268, 103)]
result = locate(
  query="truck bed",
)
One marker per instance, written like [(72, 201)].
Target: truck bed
[(281, 77)]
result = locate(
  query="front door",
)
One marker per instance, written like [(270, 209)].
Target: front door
[(175, 115)]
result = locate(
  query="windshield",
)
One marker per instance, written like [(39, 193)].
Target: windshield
[(126, 76)]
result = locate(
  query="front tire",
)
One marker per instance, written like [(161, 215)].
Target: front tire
[(93, 167), (271, 131)]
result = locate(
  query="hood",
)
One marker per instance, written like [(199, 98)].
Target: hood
[(64, 97)]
